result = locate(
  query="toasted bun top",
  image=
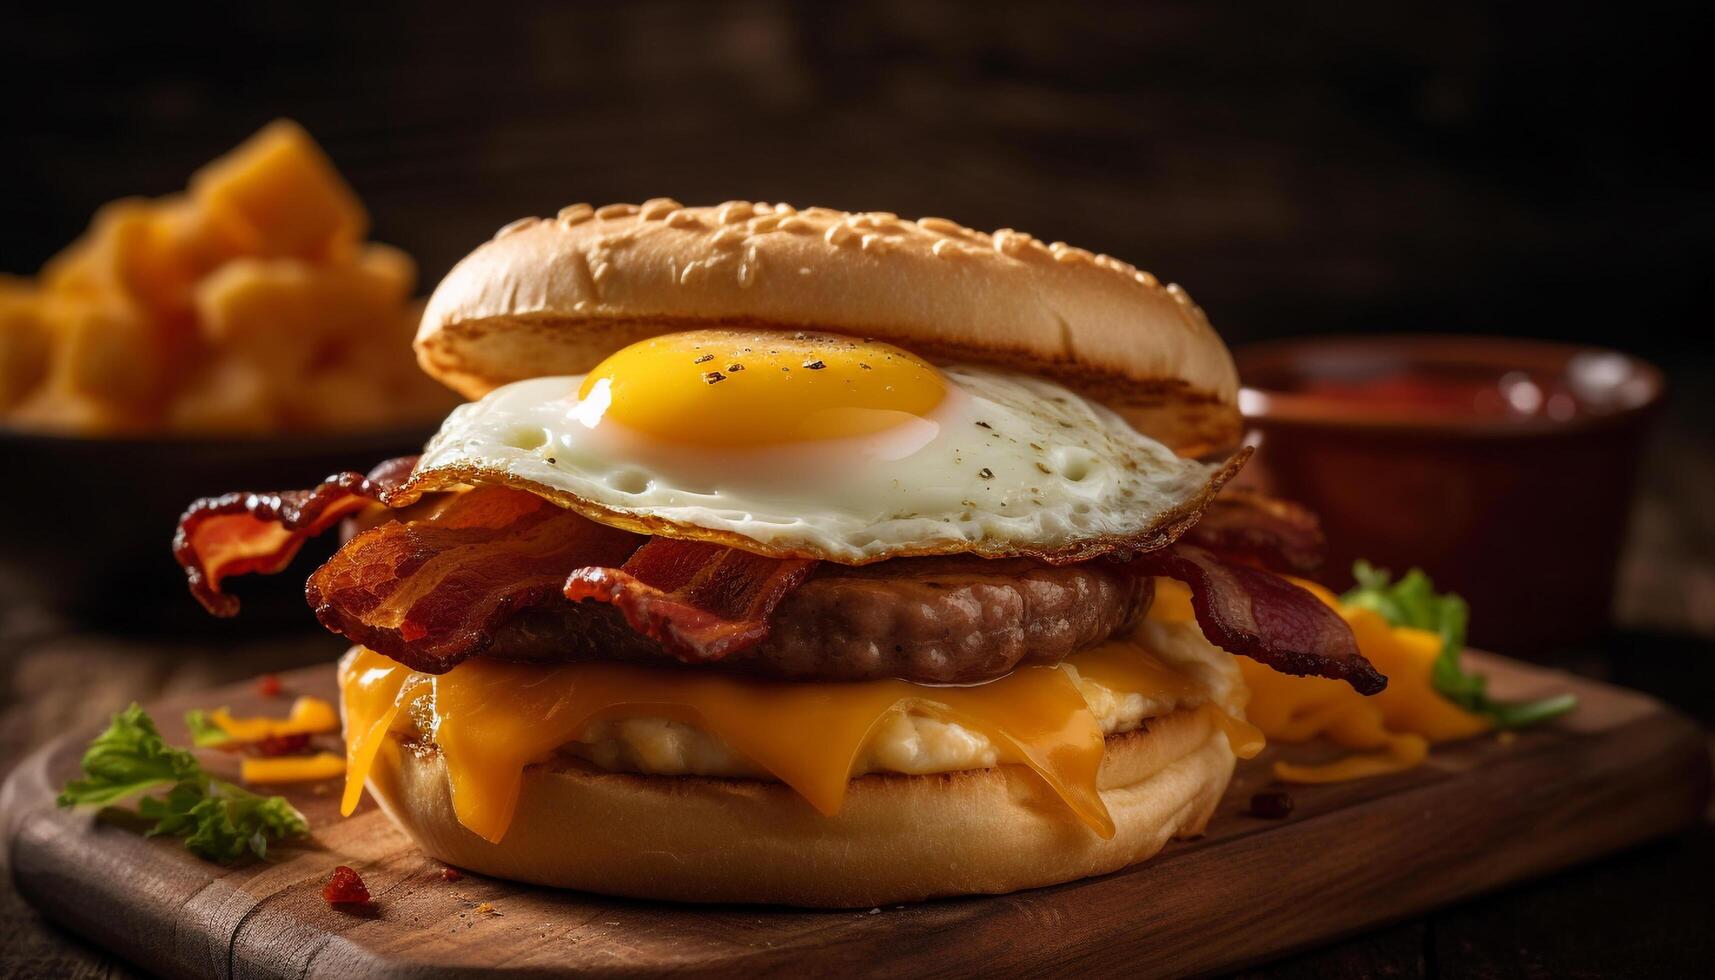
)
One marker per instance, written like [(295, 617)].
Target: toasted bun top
[(556, 296)]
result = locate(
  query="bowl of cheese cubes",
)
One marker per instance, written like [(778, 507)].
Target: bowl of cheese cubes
[(243, 333)]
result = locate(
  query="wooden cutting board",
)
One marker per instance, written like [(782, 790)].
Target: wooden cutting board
[(1482, 813)]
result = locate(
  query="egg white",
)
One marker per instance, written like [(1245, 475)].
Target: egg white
[(1008, 464)]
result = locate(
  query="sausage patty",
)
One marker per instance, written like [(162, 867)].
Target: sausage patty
[(935, 620)]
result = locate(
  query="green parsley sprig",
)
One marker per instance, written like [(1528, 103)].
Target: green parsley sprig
[(1413, 601), (219, 821)]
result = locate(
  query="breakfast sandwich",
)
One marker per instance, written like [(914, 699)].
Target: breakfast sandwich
[(803, 557)]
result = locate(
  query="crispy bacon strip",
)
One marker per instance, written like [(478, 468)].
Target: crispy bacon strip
[(428, 588), (1277, 534), (429, 592), (242, 533), (1258, 614), (700, 601)]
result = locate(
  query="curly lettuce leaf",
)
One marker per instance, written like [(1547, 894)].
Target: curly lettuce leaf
[(218, 820), (129, 758), (1413, 601), (224, 822)]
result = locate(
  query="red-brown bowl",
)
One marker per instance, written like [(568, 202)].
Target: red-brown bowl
[(1522, 512)]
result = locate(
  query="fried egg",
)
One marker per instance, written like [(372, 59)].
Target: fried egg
[(824, 446)]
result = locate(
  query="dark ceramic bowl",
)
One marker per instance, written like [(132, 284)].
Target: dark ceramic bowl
[(1504, 468), (88, 523)]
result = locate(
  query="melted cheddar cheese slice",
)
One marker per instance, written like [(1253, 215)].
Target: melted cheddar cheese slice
[(489, 720)]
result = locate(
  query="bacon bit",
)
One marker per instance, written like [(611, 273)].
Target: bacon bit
[(268, 685), (1255, 529), (1272, 805), (1257, 614), (452, 874), (274, 745), (346, 887)]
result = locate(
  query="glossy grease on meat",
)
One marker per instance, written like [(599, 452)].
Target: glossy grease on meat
[(935, 620)]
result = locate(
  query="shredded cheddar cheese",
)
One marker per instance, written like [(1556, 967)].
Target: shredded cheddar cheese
[(1392, 730), (309, 716), (291, 768)]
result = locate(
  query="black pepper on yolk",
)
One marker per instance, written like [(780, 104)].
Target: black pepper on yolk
[(733, 389)]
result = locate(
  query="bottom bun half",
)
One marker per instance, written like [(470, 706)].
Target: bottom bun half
[(897, 838)]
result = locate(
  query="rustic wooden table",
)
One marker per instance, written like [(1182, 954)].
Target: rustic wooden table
[(1642, 913)]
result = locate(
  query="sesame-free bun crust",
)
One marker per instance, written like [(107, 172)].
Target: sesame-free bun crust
[(558, 295), (897, 838)]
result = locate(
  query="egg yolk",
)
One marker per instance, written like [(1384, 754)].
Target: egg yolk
[(730, 389)]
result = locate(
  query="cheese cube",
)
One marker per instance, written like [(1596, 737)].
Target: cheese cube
[(23, 341), (287, 314), (279, 195), (107, 353)]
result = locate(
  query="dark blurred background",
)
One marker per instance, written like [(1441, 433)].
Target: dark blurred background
[(1511, 167)]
